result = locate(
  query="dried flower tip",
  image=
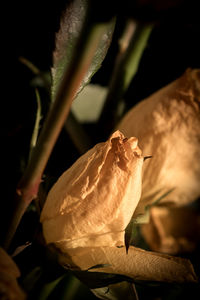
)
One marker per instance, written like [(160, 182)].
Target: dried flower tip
[(93, 201)]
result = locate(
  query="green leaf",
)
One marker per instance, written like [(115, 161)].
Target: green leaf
[(48, 288), (135, 52), (71, 26), (32, 278), (118, 291), (129, 233), (98, 279)]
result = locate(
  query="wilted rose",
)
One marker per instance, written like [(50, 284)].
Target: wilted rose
[(89, 207), (93, 201), (167, 126)]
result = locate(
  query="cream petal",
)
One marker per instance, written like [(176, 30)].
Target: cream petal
[(137, 264), (97, 196), (167, 126)]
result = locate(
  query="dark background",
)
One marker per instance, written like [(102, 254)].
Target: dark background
[(29, 31)]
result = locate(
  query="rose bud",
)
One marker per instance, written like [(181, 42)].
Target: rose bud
[(89, 207), (167, 126), (94, 200)]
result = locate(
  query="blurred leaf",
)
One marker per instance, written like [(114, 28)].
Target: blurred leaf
[(66, 41), (99, 266), (132, 45), (85, 108), (68, 288), (135, 51), (117, 291), (32, 278), (48, 288), (98, 280), (141, 219)]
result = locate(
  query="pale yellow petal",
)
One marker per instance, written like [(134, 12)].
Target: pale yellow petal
[(137, 264), (167, 126), (94, 200)]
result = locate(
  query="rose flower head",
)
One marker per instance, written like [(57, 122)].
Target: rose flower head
[(94, 200), (89, 207)]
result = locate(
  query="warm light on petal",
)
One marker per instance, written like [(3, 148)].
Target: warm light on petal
[(93, 201), (89, 207), (167, 126), (137, 264)]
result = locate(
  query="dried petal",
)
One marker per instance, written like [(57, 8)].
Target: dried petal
[(93, 201), (138, 264), (167, 126), (8, 265), (88, 209), (9, 272)]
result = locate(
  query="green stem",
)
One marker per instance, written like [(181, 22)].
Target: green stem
[(74, 129), (132, 45), (27, 188), (37, 124), (35, 70)]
